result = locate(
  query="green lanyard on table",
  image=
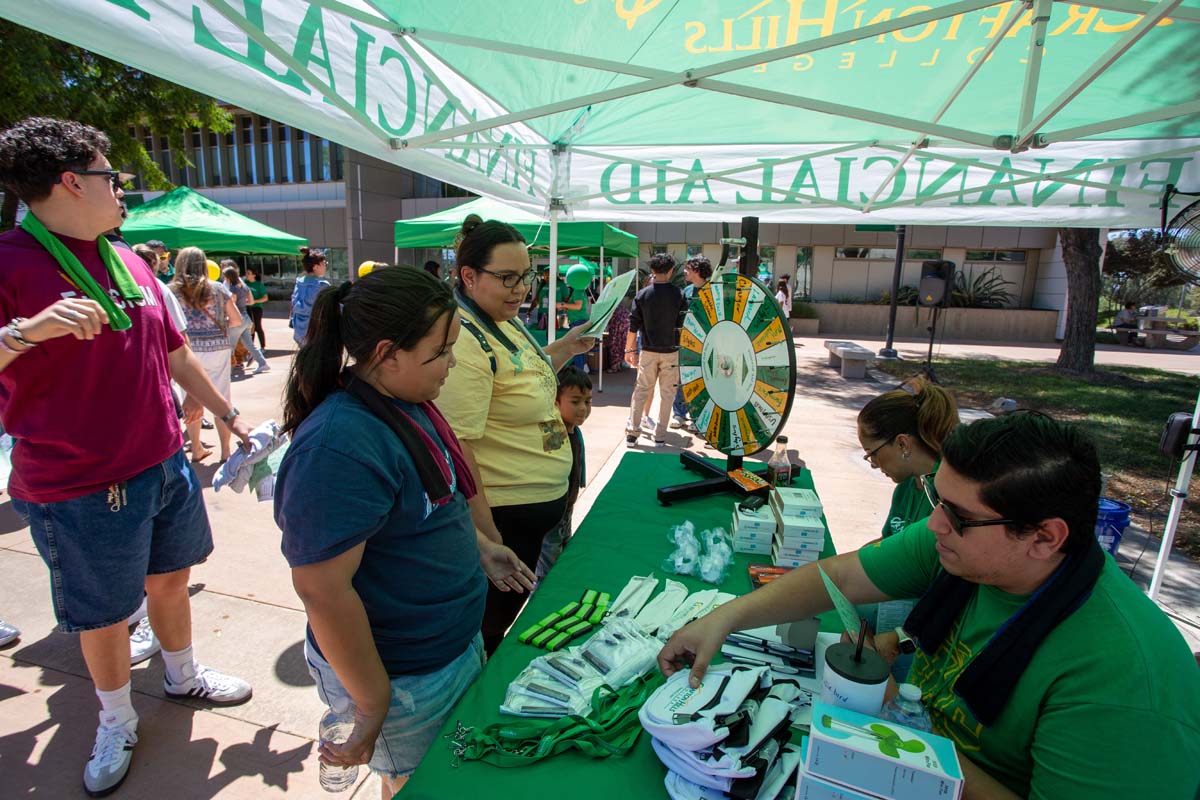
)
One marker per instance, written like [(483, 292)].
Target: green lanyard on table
[(609, 730)]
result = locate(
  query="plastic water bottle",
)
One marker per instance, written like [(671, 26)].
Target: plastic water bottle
[(906, 709), (779, 468), (335, 729)]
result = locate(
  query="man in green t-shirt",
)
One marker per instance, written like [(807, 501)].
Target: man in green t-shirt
[(1049, 669)]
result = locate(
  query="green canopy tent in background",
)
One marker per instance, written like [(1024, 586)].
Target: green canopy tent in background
[(592, 239), (184, 218)]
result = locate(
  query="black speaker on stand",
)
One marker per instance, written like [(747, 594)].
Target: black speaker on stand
[(748, 263), (934, 291)]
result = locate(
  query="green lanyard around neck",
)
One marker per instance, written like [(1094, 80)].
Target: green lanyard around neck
[(118, 320), (610, 729)]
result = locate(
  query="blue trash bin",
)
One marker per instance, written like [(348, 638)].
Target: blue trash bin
[(1111, 522)]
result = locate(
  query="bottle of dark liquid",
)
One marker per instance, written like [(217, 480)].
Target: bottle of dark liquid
[(779, 468)]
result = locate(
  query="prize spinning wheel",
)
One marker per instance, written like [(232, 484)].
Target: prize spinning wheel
[(737, 366)]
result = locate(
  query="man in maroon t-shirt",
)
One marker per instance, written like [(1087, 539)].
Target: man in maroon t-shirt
[(98, 467)]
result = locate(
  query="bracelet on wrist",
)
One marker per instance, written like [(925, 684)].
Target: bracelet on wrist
[(14, 331), (5, 347)]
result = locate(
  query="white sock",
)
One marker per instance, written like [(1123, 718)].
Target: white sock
[(116, 706), (180, 665)]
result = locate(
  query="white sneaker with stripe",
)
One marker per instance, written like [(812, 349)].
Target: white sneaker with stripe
[(111, 754), (203, 683)]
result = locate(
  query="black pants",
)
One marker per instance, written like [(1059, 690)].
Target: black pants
[(523, 528), (256, 318)]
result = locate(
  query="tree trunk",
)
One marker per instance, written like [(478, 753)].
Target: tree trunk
[(8, 213), (1081, 254)]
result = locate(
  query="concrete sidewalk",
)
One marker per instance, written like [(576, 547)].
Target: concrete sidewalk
[(248, 620)]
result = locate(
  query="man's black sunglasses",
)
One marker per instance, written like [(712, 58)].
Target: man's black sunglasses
[(115, 177), (957, 523)]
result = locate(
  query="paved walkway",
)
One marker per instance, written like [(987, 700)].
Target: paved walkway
[(248, 620)]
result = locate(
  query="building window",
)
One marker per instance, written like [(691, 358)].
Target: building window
[(694, 250), (1010, 256), (287, 173), (265, 150), (923, 255), (213, 173), (766, 261), (802, 290)]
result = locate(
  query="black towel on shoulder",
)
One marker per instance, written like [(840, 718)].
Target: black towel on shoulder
[(988, 681)]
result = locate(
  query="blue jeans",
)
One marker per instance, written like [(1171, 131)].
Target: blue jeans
[(244, 333), (679, 408), (100, 547), (420, 704), (579, 361)]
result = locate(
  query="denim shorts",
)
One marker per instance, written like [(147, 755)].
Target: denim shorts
[(100, 547), (420, 704)]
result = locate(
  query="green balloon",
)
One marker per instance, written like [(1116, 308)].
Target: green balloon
[(578, 277)]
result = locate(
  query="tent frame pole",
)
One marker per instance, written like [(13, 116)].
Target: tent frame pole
[(1033, 65), (1048, 176), (1014, 14), (719, 175), (699, 77), (1026, 172), (325, 90), (552, 301), (600, 356), (1028, 127), (1156, 115)]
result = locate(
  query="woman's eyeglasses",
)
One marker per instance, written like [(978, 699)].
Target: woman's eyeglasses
[(957, 523), (867, 458), (510, 279)]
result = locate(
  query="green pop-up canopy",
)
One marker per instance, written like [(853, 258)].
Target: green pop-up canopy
[(578, 238), (184, 218)]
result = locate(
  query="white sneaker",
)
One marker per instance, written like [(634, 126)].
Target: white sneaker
[(659, 443), (679, 422), (8, 633), (111, 754), (648, 425), (262, 369), (203, 683), (142, 642), (631, 440)]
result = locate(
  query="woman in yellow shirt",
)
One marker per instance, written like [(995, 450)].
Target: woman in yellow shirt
[(499, 400)]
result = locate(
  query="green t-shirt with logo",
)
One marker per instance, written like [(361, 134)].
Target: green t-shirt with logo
[(909, 504), (577, 314), (257, 290), (1108, 708)]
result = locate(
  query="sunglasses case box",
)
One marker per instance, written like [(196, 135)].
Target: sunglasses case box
[(881, 758), (797, 502)]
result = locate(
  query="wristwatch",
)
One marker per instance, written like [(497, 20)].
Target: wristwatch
[(231, 416), (905, 642)]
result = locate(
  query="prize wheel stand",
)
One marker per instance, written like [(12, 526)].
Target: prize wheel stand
[(737, 370)]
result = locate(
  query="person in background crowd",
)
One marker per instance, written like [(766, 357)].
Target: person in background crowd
[(308, 286), (242, 332), (1031, 646), (211, 312), (434, 269), (696, 271), (574, 403), (500, 400), (783, 296), (1126, 324), (388, 562), (99, 474), (657, 315), (901, 433), (164, 269), (258, 300)]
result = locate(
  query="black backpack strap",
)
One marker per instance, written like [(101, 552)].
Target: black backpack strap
[(473, 329)]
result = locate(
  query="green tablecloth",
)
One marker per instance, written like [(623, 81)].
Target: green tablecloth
[(625, 534)]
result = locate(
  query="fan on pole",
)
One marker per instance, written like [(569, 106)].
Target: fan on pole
[(1181, 236)]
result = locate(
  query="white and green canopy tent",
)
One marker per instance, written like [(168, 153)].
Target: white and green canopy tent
[(962, 112)]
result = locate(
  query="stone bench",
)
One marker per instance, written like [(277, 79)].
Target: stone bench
[(1184, 340), (851, 358)]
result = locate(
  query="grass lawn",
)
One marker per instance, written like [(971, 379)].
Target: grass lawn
[(1123, 408)]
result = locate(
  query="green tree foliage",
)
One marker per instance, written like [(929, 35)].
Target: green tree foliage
[(42, 76), (1136, 270)]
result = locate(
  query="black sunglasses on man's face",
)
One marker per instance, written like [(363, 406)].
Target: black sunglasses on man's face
[(957, 523), (115, 177)]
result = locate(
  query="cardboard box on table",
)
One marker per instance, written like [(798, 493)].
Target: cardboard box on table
[(879, 759)]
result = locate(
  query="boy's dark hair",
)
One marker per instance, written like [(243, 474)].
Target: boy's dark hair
[(1131, 305), (662, 262), (701, 265), (1030, 468), (572, 376), (153, 243), (36, 151)]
